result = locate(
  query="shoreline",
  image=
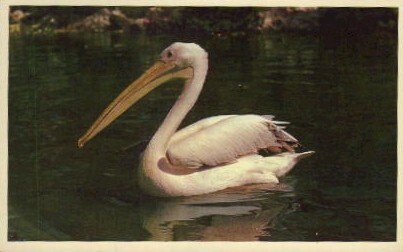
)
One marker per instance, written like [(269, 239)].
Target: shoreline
[(221, 22)]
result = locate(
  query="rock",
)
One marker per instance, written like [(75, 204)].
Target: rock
[(96, 22), (142, 22), (290, 19), (18, 15), (106, 19)]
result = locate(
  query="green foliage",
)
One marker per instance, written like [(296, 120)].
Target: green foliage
[(220, 21), (61, 15), (357, 21), (134, 12), (211, 20)]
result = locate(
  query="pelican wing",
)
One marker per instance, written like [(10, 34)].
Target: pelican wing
[(223, 140), (196, 127)]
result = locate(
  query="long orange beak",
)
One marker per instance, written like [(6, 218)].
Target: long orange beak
[(159, 73)]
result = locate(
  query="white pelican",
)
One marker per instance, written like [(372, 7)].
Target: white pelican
[(210, 155)]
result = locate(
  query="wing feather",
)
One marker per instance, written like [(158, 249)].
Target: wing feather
[(225, 140), (196, 127)]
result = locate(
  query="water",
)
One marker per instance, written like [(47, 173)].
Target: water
[(339, 94)]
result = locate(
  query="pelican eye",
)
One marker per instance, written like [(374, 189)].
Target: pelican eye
[(169, 54)]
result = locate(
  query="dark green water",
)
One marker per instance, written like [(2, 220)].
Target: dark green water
[(340, 96)]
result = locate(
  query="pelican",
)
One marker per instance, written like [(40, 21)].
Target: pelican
[(210, 155)]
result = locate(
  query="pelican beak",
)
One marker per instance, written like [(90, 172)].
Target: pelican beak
[(159, 73)]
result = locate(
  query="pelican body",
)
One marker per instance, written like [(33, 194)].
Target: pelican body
[(210, 155)]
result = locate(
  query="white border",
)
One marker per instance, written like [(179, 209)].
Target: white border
[(183, 246)]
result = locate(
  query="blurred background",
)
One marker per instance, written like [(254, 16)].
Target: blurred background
[(216, 21), (331, 72)]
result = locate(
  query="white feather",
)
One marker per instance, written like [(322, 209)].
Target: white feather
[(222, 140)]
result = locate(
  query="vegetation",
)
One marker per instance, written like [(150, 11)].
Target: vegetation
[(220, 21)]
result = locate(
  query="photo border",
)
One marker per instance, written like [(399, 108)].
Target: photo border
[(183, 246)]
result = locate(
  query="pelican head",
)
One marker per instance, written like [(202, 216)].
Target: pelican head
[(177, 61), (184, 54)]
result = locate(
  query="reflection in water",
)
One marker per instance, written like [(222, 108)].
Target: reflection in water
[(234, 214)]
